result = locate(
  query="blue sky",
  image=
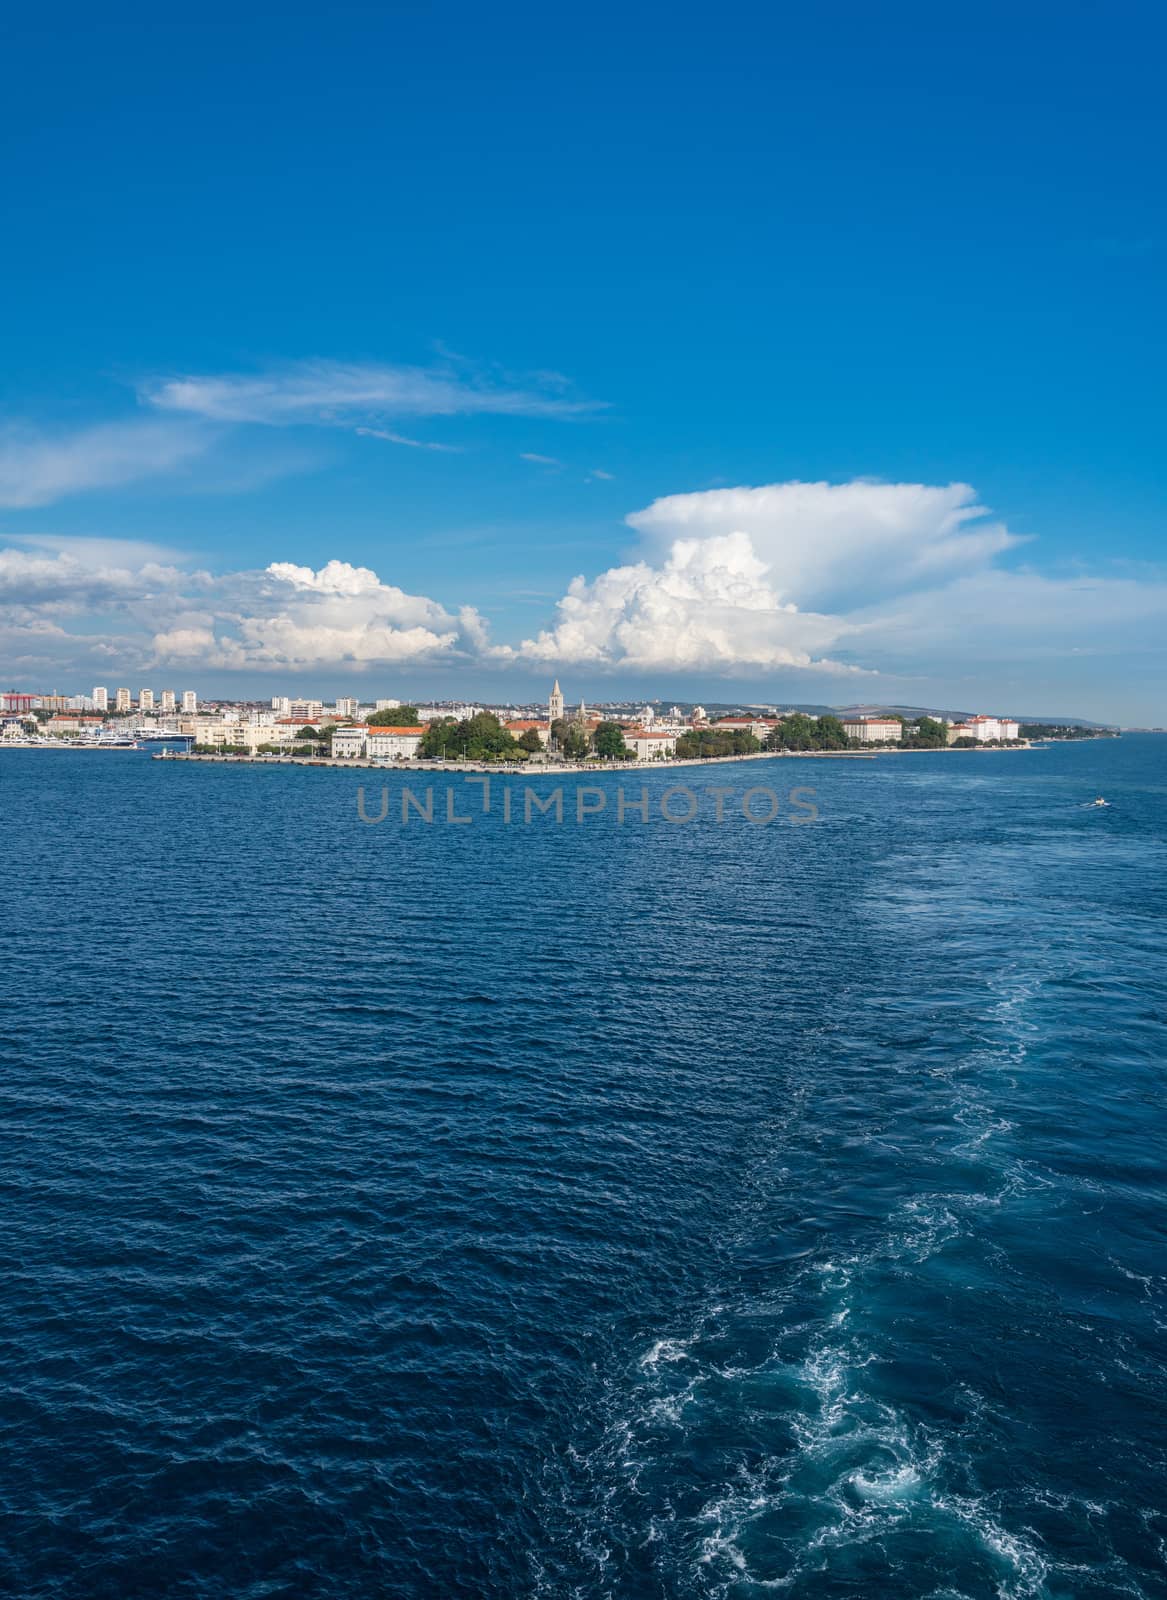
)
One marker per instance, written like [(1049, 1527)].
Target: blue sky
[(676, 252)]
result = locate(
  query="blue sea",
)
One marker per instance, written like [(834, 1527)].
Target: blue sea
[(587, 1209)]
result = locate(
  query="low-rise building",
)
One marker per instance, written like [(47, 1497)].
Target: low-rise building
[(247, 735), (873, 730), (647, 744), (349, 744), (392, 744), (760, 727)]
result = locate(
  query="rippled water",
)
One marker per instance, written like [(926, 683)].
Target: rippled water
[(585, 1211)]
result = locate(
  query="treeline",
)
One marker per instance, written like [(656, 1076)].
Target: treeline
[(1060, 730), (800, 732), (483, 738), (707, 744)]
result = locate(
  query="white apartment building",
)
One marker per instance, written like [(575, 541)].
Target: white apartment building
[(387, 705), (190, 702), (212, 731), (874, 730), (145, 699), (392, 744), (101, 699), (121, 700), (168, 702), (348, 744), (281, 705), (306, 710), (347, 707), (985, 730)]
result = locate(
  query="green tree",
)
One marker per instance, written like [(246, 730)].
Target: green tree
[(706, 744), (478, 738), (530, 741), (574, 743), (795, 732), (927, 734), (829, 733), (609, 742), (394, 717), (307, 732), (438, 739)]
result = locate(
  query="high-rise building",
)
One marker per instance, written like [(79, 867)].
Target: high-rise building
[(190, 702), (347, 707), (121, 700), (167, 700), (555, 704), (145, 699), (101, 699)]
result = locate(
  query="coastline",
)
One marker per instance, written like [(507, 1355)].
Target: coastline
[(571, 769)]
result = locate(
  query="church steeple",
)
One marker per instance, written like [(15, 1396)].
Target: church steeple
[(555, 704)]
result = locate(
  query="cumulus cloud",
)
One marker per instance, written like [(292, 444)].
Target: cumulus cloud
[(286, 616), (38, 468), (896, 579), (333, 393), (708, 606), (298, 617), (839, 544), (766, 577)]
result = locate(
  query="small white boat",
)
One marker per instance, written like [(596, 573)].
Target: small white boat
[(1099, 802)]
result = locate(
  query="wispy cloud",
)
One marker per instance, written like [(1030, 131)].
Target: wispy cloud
[(390, 437), (538, 460), (604, 477), (335, 394), (38, 468)]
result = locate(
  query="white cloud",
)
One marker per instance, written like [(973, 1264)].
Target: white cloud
[(842, 544), (334, 393), (709, 606), (538, 460), (717, 599), (37, 468), (389, 437), (69, 579), (297, 617)]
